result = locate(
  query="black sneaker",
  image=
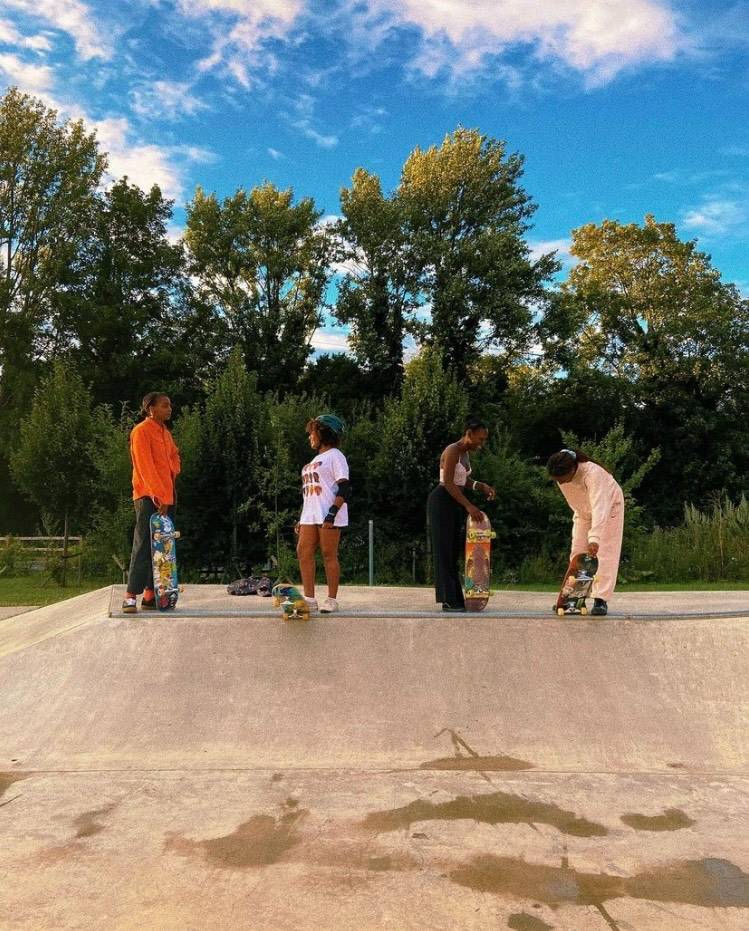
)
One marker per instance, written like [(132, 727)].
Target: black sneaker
[(148, 604), (599, 607), (453, 609)]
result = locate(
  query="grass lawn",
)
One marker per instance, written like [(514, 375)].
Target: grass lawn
[(29, 590)]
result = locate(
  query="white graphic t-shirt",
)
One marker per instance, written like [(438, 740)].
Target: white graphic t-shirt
[(319, 485)]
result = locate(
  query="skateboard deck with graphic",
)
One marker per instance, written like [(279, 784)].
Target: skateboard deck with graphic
[(576, 586), (164, 560), (477, 580), (291, 601)]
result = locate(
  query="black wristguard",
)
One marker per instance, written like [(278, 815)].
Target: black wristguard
[(330, 516), (344, 489)]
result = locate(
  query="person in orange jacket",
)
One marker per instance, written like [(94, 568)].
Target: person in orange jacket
[(156, 465)]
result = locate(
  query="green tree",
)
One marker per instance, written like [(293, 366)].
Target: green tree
[(376, 296), (52, 463), (466, 215), (415, 428), (260, 262), (651, 312), (221, 446), (49, 173), (119, 318)]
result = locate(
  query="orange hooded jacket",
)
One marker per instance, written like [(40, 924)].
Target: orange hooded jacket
[(156, 461)]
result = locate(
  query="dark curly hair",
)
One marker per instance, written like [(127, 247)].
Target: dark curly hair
[(328, 437)]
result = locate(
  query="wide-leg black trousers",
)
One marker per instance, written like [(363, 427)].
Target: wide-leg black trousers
[(447, 528), (140, 575)]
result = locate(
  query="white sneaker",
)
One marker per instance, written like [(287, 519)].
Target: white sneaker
[(311, 603), (328, 606)]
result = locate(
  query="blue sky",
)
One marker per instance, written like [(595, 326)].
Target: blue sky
[(620, 109)]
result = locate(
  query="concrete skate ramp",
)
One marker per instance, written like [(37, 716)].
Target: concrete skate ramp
[(82, 691)]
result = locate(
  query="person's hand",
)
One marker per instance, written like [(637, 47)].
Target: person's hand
[(592, 549), (487, 490), (475, 513), (163, 509), (296, 528), (328, 524)]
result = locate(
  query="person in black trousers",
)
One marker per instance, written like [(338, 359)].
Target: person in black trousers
[(446, 510)]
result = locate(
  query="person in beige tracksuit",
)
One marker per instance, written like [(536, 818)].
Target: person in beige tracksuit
[(597, 502)]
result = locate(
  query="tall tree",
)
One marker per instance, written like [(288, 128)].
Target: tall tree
[(651, 311), (466, 215), (377, 294), (119, 315), (260, 261), (52, 463), (48, 175)]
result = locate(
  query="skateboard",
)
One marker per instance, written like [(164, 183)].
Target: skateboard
[(164, 560), (291, 601), (576, 585), (479, 536)]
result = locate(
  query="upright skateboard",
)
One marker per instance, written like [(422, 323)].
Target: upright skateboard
[(290, 600), (164, 559), (479, 535), (576, 585)]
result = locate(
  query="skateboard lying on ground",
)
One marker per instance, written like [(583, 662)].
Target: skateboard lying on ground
[(479, 536), (291, 601), (164, 559), (576, 585)]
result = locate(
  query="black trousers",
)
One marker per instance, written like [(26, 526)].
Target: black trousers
[(447, 528), (140, 575)]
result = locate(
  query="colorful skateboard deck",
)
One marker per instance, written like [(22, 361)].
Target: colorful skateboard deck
[(576, 585), (291, 601), (164, 559), (479, 535)]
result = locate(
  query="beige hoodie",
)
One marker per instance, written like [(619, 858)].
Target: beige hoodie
[(591, 494)]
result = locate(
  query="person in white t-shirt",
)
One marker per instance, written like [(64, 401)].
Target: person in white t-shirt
[(325, 490)]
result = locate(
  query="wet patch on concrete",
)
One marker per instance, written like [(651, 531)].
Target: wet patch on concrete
[(88, 824), (493, 808), (7, 780), (522, 921), (259, 841), (487, 764), (709, 883), (672, 819)]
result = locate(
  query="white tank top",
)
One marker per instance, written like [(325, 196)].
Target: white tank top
[(461, 474)]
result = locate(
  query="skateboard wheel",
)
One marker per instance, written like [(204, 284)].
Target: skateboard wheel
[(560, 612), (583, 610), (176, 534)]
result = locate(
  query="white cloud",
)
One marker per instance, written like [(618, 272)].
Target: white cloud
[(541, 247), (274, 153), (166, 100), (330, 341), (33, 79), (240, 29), (9, 35), (594, 37), (72, 17), (717, 216), (145, 164), (303, 121)]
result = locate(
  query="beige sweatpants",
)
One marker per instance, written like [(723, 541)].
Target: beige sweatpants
[(609, 547)]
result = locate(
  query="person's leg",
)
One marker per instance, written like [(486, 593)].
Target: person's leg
[(442, 531), (140, 575), (329, 540), (306, 547), (455, 560), (609, 552)]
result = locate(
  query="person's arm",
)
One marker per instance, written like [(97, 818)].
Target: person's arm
[(450, 460), (342, 495), (142, 456), (598, 492), (489, 493)]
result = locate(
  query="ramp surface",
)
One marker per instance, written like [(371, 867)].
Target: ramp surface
[(517, 770)]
